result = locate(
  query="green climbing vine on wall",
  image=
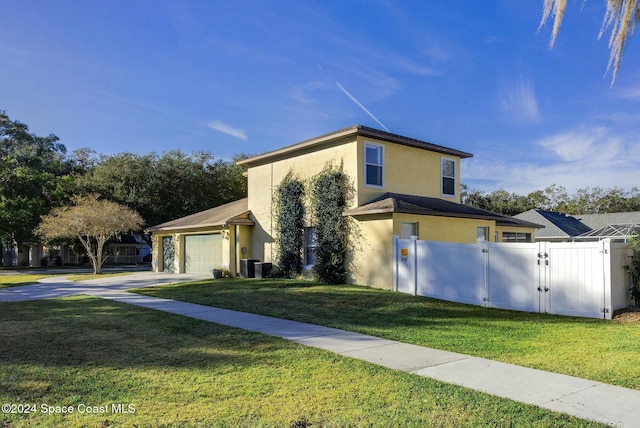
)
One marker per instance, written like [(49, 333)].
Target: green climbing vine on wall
[(633, 268), (289, 214), (331, 193)]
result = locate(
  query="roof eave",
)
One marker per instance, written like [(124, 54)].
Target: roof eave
[(356, 130)]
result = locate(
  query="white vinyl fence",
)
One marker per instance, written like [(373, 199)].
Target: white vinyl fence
[(584, 279)]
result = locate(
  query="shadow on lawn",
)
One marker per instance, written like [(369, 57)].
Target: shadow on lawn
[(90, 332), (342, 305)]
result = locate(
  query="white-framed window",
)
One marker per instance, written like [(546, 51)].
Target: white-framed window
[(516, 237), (408, 230), (448, 176), (482, 233), (373, 165)]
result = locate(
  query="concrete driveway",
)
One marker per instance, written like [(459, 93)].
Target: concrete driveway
[(59, 286)]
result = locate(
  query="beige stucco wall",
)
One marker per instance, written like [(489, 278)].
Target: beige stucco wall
[(372, 262), (407, 170), (445, 229), (263, 179)]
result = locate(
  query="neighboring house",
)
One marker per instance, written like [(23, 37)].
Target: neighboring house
[(403, 186), (127, 249), (558, 227), (597, 221)]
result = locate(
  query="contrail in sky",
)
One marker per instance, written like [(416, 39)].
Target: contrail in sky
[(359, 104)]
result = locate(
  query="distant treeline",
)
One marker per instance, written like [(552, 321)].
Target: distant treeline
[(555, 198)]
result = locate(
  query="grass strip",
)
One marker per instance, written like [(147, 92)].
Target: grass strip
[(605, 351), (13, 280), (168, 370)]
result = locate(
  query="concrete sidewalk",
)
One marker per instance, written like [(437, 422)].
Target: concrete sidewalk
[(59, 286), (583, 398)]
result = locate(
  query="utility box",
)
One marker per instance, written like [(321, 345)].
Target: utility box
[(247, 268), (263, 270)]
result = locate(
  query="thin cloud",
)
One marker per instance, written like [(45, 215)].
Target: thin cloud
[(630, 92), (227, 129), (579, 158), (574, 145), (359, 104), (520, 101)]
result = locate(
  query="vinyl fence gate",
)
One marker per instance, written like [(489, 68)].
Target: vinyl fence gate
[(584, 279)]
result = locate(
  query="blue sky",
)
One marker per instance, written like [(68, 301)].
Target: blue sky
[(252, 76)]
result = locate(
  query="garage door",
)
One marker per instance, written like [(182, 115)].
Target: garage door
[(202, 253)]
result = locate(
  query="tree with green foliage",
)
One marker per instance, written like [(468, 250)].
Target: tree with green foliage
[(555, 198), (331, 194), (290, 214), (34, 178), (91, 220), (162, 188)]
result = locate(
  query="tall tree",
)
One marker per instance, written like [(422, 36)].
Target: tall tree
[(93, 221), (162, 188), (621, 16), (34, 177)]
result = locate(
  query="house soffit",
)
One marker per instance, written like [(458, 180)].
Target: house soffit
[(348, 135), (408, 204)]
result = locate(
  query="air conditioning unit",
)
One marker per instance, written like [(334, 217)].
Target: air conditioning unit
[(263, 270), (247, 268)]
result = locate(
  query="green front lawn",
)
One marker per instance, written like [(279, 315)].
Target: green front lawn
[(169, 370), (14, 280), (600, 350)]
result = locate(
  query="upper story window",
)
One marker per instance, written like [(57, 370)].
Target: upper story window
[(373, 165), (448, 177)]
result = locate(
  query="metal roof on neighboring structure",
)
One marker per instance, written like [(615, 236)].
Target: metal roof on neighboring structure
[(613, 231), (596, 221), (408, 204)]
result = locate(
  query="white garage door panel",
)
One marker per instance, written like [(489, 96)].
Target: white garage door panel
[(202, 253)]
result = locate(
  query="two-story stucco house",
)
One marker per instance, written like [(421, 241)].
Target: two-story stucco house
[(403, 186)]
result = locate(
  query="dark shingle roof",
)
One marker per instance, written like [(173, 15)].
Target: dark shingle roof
[(556, 225), (568, 224), (231, 213), (409, 204)]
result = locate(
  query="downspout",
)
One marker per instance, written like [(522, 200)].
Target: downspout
[(271, 218)]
